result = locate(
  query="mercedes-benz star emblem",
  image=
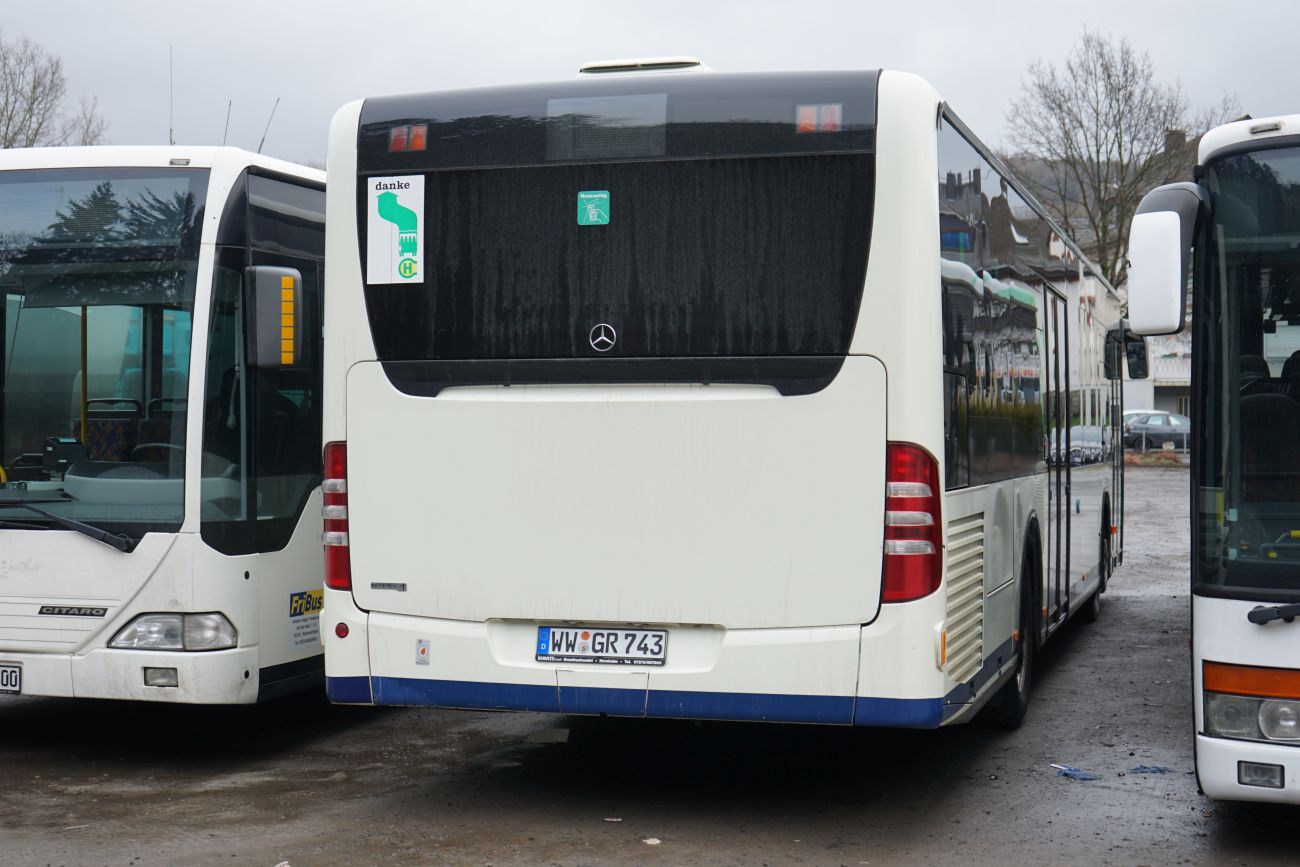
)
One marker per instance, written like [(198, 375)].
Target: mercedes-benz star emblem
[(602, 337)]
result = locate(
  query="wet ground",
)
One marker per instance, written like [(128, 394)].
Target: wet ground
[(303, 782)]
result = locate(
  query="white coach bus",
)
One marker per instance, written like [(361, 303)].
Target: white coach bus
[(1239, 220), (670, 393), (160, 424)]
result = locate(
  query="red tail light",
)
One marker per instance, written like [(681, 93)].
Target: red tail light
[(334, 487), (913, 524)]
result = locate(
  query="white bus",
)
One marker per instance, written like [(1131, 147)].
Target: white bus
[(1240, 221), (159, 451), (673, 393)]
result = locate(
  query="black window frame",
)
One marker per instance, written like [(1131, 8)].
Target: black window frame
[(247, 236)]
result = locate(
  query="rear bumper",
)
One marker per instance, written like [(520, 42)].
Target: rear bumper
[(1216, 769), (217, 677), (808, 675)]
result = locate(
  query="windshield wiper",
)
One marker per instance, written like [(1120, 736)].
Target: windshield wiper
[(1267, 613), (22, 525), (125, 544)]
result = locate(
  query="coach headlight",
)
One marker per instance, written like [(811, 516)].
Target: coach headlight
[(1280, 720), (212, 631)]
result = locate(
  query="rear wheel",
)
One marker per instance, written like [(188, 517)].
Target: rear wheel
[(1007, 709)]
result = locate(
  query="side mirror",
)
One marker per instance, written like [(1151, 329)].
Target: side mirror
[(1135, 347), (1160, 243), (1113, 358), (273, 316), (1121, 344)]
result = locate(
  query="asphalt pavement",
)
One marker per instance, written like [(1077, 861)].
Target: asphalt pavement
[(301, 782)]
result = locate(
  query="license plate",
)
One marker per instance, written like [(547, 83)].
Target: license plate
[(11, 677), (602, 644)]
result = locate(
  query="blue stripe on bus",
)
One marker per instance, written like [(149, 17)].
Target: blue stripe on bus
[(674, 704), (348, 690), (466, 694), (593, 699), (907, 713), (750, 707)]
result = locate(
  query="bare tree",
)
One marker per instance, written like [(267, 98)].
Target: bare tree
[(34, 109), (1091, 138)]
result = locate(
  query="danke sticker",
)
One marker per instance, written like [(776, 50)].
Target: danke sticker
[(395, 230)]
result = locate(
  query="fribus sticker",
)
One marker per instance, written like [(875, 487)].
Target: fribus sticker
[(304, 619), (395, 229)]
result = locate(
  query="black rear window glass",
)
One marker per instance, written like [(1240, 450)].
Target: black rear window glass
[(709, 257)]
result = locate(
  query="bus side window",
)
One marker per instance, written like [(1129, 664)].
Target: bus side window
[(262, 428), (286, 417), (287, 229), (957, 309), (225, 506)]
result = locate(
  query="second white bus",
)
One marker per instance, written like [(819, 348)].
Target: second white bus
[(671, 393), (159, 470), (1237, 225)]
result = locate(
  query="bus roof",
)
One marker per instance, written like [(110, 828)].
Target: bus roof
[(146, 156), (1251, 130), (611, 117)]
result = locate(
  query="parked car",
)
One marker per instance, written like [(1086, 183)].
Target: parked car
[(1087, 444), (1133, 414), (1152, 430)]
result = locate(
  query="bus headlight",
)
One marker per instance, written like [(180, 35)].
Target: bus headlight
[(1251, 702), (1280, 720), (161, 631), (1232, 716)]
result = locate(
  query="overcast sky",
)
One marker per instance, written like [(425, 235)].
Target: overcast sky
[(318, 54)]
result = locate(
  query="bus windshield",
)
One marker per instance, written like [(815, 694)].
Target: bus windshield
[(97, 274), (1248, 346)]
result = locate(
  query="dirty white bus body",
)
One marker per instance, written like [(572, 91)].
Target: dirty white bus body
[(689, 394), (1237, 223), (159, 467)]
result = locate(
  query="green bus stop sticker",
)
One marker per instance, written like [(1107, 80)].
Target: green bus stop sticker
[(593, 208)]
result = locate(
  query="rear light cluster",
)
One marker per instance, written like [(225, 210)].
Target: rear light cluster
[(414, 137), (334, 487), (913, 525)]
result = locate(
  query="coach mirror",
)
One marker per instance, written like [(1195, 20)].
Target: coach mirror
[(272, 316), (1114, 352), (1122, 344), (1135, 348), (1160, 241)]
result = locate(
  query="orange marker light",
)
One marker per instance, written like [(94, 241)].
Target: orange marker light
[(805, 118), (1249, 680), (419, 138)]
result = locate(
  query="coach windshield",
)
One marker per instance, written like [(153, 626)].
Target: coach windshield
[(1248, 345), (97, 274)]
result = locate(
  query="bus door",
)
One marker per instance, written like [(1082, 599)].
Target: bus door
[(1116, 470), (1057, 408)]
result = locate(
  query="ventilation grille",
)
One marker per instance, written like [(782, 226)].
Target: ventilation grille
[(965, 596), (23, 629)]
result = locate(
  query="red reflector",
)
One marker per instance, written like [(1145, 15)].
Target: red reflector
[(341, 630), (334, 493), (336, 461), (913, 541), (419, 137), (397, 138), (828, 117), (805, 118)]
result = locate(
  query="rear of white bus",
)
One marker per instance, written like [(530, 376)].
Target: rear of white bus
[(609, 426)]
